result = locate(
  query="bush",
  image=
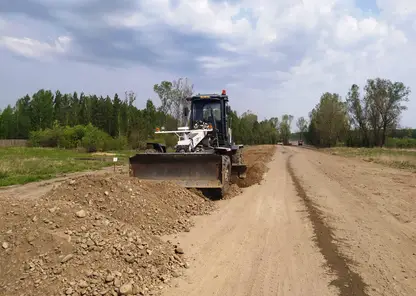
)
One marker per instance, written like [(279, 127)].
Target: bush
[(119, 143), (169, 140), (71, 137), (94, 139), (88, 137), (44, 138), (401, 143)]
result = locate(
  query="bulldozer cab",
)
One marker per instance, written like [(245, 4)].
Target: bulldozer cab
[(212, 109)]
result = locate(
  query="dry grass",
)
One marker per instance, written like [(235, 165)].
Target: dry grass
[(402, 159)]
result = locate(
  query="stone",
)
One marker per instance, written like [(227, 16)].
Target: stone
[(126, 289), (67, 258), (109, 278), (81, 214)]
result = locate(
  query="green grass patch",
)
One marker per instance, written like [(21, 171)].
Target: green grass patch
[(397, 158), (20, 165)]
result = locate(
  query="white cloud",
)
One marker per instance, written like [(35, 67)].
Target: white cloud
[(199, 16), (31, 48), (216, 63), (350, 30), (398, 8)]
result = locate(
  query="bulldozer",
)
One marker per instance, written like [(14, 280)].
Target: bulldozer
[(205, 156)]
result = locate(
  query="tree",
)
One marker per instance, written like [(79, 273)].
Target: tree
[(358, 112), (42, 109), (329, 120), (58, 110), (7, 123), (384, 102), (181, 90), (22, 114), (247, 121), (164, 91), (132, 117), (74, 109), (173, 96), (274, 121), (302, 125), (84, 109), (150, 118), (117, 116), (285, 125)]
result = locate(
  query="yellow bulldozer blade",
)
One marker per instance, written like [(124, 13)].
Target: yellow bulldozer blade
[(190, 170)]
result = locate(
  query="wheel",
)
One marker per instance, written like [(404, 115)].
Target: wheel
[(237, 158), (184, 149), (226, 175)]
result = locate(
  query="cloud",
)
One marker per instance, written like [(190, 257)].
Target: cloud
[(36, 49), (274, 56)]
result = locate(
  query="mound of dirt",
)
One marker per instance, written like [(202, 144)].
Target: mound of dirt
[(256, 158), (233, 191), (255, 174), (95, 235)]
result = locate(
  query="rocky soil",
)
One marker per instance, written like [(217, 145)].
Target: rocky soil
[(95, 235)]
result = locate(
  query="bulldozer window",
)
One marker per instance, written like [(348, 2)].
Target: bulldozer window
[(202, 111)]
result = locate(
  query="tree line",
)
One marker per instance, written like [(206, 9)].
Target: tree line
[(70, 120), (366, 117)]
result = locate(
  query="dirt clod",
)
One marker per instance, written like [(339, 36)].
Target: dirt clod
[(179, 250)]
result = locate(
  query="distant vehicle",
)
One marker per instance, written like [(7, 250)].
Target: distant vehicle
[(300, 143)]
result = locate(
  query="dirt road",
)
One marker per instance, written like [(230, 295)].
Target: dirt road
[(317, 225)]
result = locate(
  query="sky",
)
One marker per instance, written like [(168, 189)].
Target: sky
[(272, 56)]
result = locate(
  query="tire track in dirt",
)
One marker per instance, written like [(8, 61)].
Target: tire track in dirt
[(348, 282)]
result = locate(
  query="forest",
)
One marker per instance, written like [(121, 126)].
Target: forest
[(367, 117), (73, 120)]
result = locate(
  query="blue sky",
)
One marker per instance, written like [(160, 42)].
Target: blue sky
[(272, 56)]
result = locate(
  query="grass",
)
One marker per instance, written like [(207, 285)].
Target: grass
[(20, 165), (402, 159)]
